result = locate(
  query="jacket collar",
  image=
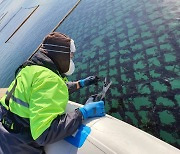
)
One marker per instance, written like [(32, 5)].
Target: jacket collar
[(39, 58)]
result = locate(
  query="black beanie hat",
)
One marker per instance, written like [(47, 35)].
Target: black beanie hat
[(57, 47)]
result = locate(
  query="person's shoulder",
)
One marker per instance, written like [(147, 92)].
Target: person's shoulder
[(36, 69), (43, 73)]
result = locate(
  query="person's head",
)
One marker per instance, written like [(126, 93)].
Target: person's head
[(60, 48)]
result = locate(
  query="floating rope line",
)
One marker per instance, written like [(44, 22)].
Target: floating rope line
[(9, 19), (56, 27), (22, 23), (3, 2), (3, 15)]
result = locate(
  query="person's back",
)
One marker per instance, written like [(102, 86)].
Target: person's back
[(33, 109), (27, 110)]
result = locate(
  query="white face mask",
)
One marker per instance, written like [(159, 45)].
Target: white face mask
[(71, 68)]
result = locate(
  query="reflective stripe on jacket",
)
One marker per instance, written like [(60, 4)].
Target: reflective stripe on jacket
[(40, 95)]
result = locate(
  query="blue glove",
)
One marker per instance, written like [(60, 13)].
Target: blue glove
[(93, 109), (88, 81)]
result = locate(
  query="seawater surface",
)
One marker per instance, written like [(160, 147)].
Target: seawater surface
[(133, 43)]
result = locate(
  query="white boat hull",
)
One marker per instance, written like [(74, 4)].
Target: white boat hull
[(109, 135)]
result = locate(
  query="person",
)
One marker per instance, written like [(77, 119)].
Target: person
[(32, 112)]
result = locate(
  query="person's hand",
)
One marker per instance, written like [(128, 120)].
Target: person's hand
[(88, 81), (93, 109)]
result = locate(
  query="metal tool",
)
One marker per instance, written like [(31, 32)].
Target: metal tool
[(102, 94), (105, 88)]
